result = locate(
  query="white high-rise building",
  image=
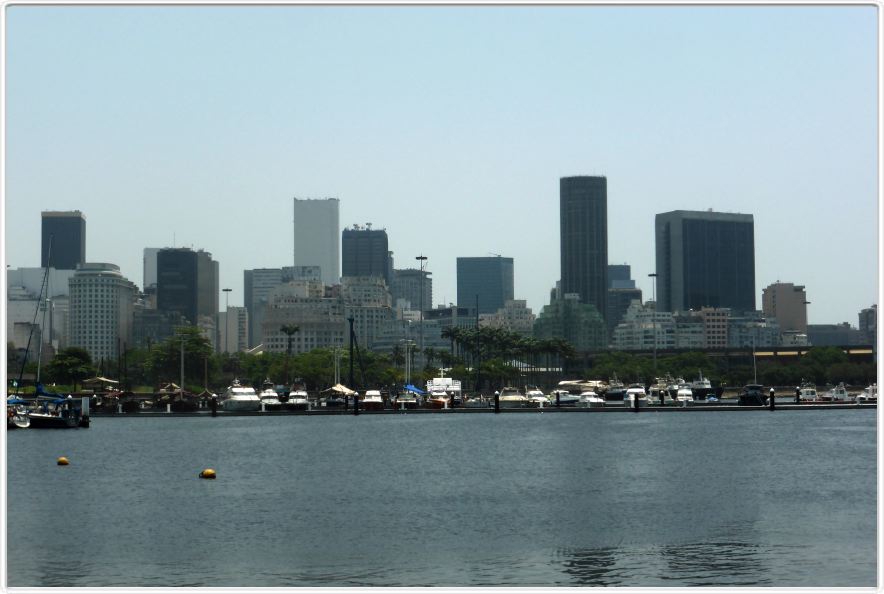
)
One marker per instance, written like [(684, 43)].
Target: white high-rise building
[(101, 310), (318, 236)]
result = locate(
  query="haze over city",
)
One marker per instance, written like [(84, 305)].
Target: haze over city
[(450, 127)]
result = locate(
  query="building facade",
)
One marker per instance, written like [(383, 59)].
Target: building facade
[(317, 236), (514, 316), (569, 319), (367, 300), (413, 287), (67, 229), (490, 279), (705, 259), (321, 320), (868, 324), (233, 327), (187, 284), (788, 304), (619, 300), (365, 252), (101, 310), (583, 215)]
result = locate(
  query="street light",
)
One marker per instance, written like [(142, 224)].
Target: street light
[(422, 260), (653, 276), (226, 316)]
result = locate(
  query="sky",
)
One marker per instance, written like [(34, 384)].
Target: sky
[(449, 126)]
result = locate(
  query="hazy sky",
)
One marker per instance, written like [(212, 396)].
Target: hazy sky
[(450, 127)]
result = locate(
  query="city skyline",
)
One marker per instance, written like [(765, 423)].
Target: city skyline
[(465, 137)]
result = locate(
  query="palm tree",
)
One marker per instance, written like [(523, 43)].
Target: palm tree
[(288, 330)]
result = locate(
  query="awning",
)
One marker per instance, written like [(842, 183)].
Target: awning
[(99, 380), (414, 389), (341, 389)]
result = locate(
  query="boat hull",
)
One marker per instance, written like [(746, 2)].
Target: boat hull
[(44, 421), (241, 405)]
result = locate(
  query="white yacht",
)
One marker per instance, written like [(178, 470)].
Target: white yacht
[(868, 395), (536, 398), (701, 387), (511, 398), (269, 397), (635, 392), (565, 397), (371, 400), (238, 397), (590, 399), (297, 400), (684, 396), (837, 394), (659, 394), (807, 391), (444, 392)]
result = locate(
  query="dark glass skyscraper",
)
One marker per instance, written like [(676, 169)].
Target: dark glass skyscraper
[(490, 278), (364, 252), (583, 212), (705, 259), (68, 233), (187, 283)]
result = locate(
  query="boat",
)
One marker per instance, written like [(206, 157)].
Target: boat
[(635, 394), (807, 391), (444, 391), (837, 394), (751, 395), (297, 400), (269, 397), (616, 389), (684, 396), (16, 414), (54, 411), (372, 400), (659, 394), (701, 387), (590, 399), (476, 401), (869, 395), (510, 397), (406, 400), (536, 397), (240, 398), (564, 397)]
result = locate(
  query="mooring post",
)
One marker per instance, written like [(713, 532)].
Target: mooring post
[(558, 400), (355, 404), (635, 402), (497, 402), (214, 404), (772, 397)]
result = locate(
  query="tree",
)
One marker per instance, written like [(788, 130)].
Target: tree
[(164, 360), (70, 365)]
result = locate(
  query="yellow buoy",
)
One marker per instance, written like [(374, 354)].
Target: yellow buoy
[(63, 461), (208, 473)]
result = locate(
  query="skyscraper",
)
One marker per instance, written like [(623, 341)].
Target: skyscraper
[(365, 252), (187, 284), (788, 304), (317, 236), (705, 259), (490, 278), (414, 286), (68, 232), (101, 310), (583, 213)]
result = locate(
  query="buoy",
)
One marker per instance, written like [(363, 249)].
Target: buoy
[(208, 473), (63, 461)]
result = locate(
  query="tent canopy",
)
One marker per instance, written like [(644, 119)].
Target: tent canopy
[(341, 389), (99, 380)]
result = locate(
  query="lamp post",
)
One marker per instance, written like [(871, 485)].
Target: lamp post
[(653, 276), (806, 319), (226, 316), (422, 259)]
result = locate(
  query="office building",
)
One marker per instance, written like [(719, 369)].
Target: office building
[(187, 284), (620, 276), (788, 304), (705, 259), (583, 214), (514, 316), (569, 319), (317, 236), (367, 300), (868, 324), (233, 326), (365, 252), (490, 279), (321, 320), (619, 300), (67, 229), (101, 310), (414, 287)]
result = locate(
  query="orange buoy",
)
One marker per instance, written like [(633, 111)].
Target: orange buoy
[(208, 473), (63, 461)]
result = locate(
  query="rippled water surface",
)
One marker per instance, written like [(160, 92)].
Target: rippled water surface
[(652, 499)]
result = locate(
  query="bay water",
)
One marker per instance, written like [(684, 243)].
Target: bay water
[(755, 498)]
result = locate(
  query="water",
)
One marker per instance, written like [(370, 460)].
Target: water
[(614, 499)]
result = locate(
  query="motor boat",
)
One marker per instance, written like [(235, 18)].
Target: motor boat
[(752, 395), (510, 397), (684, 396), (297, 400), (659, 394), (444, 392), (635, 394), (807, 391), (269, 397), (372, 400), (701, 387), (240, 398), (837, 393), (16, 413), (869, 395), (537, 398), (590, 399), (616, 389), (561, 397)]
